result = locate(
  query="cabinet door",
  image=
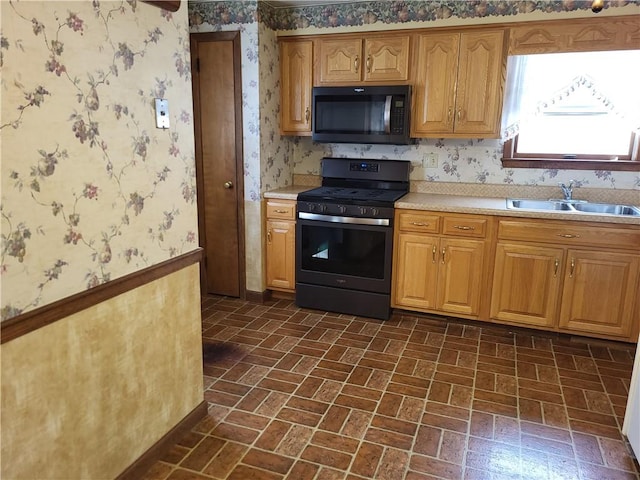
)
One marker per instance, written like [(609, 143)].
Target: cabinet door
[(600, 292), (416, 269), (459, 280), (526, 284), (281, 254), (386, 58), (434, 85), (482, 65), (340, 60), (296, 69)]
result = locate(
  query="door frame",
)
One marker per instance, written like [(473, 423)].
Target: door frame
[(195, 39)]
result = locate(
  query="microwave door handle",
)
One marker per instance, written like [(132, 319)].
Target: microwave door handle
[(387, 115)]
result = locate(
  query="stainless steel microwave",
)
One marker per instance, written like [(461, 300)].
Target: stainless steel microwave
[(361, 114)]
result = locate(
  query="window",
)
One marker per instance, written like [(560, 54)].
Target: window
[(573, 110)]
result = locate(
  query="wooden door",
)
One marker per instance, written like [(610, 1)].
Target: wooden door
[(526, 284), (482, 65), (435, 84), (416, 271), (600, 292), (340, 60), (460, 277), (386, 58), (218, 133), (296, 73)]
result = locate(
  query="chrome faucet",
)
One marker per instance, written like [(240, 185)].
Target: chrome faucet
[(567, 190)]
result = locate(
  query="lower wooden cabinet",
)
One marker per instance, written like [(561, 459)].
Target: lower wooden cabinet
[(600, 291), (526, 284), (281, 240), (442, 272), (571, 277)]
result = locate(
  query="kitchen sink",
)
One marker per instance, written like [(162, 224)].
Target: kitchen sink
[(572, 206), (607, 208), (526, 204)]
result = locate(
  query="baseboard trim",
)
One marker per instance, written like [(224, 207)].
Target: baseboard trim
[(257, 297), (33, 320), (138, 468)]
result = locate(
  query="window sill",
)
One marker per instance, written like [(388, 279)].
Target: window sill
[(564, 164)]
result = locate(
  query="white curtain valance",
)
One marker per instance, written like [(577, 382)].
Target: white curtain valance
[(537, 83)]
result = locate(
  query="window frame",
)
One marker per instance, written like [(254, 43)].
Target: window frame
[(511, 158), (589, 34)]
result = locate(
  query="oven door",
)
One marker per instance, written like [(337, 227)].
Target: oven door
[(343, 252)]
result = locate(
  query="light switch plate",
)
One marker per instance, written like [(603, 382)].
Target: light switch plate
[(431, 161), (162, 113)]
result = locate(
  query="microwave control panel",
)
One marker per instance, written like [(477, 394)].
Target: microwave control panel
[(397, 116)]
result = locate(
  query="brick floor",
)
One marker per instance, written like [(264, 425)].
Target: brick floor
[(303, 394)]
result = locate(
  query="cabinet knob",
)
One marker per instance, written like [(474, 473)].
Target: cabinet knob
[(356, 63), (463, 227), (269, 236), (228, 185), (444, 251), (307, 114), (369, 64)]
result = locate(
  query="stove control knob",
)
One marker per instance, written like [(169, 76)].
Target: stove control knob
[(323, 208), (375, 212), (363, 210), (311, 207), (342, 209)]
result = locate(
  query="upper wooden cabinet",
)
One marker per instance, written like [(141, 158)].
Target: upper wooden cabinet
[(352, 60), (458, 84), (296, 73), (580, 35)]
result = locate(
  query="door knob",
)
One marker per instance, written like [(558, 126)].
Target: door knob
[(228, 184)]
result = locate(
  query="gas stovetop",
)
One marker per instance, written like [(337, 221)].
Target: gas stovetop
[(357, 183), (354, 196)]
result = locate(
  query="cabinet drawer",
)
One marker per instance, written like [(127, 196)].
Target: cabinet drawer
[(465, 226), (418, 222), (567, 233), (283, 210)]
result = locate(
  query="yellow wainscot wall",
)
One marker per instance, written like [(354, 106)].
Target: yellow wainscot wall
[(86, 396)]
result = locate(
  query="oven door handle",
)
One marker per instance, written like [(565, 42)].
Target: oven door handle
[(384, 222), (387, 115)]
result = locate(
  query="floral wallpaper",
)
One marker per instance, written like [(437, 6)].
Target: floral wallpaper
[(460, 161), (276, 151), (91, 189), (361, 13)]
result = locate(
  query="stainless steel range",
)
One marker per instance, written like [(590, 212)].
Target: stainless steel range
[(344, 236)]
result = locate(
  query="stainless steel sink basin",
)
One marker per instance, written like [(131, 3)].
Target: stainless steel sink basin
[(607, 208), (572, 207), (527, 204)]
